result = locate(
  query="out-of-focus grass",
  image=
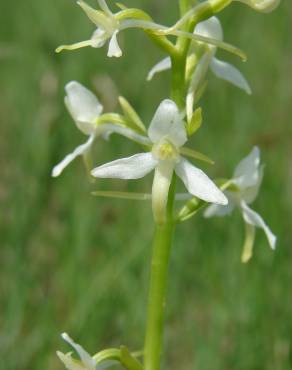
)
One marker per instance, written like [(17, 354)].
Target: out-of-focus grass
[(71, 262)]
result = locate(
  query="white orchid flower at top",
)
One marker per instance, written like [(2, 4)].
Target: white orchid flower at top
[(86, 362), (110, 24), (167, 135), (244, 189), (107, 29), (210, 28), (85, 110)]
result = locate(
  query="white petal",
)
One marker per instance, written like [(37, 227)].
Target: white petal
[(163, 65), (69, 362), (85, 357), (133, 167), (83, 106), (229, 73), (210, 28), (160, 188), (99, 38), (113, 48), (80, 150), (167, 122), (199, 184), (253, 218), (219, 210), (246, 173), (249, 194)]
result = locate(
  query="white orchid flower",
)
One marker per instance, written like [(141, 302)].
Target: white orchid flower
[(211, 28), (110, 24), (167, 135), (245, 186), (85, 110), (86, 362), (107, 29)]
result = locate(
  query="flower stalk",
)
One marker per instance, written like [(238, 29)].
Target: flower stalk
[(163, 241), (158, 287)]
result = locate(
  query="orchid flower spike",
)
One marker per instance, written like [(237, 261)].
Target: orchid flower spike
[(211, 28), (86, 361), (264, 6), (167, 135), (85, 110), (244, 189)]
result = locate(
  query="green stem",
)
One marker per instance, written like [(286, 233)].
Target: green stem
[(164, 233), (158, 287)]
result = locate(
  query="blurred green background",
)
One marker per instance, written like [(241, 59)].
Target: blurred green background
[(71, 262)]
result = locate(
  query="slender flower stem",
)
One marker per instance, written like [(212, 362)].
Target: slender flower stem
[(158, 287), (164, 233)]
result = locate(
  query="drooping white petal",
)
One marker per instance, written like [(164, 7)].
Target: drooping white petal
[(69, 362), (253, 218), (83, 106), (167, 123), (80, 150), (160, 188), (210, 28), (229, 73), (133, 167), (85, 357), (114, 49), (199, 184), (246, 173), (219, 210), (161, 66)]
